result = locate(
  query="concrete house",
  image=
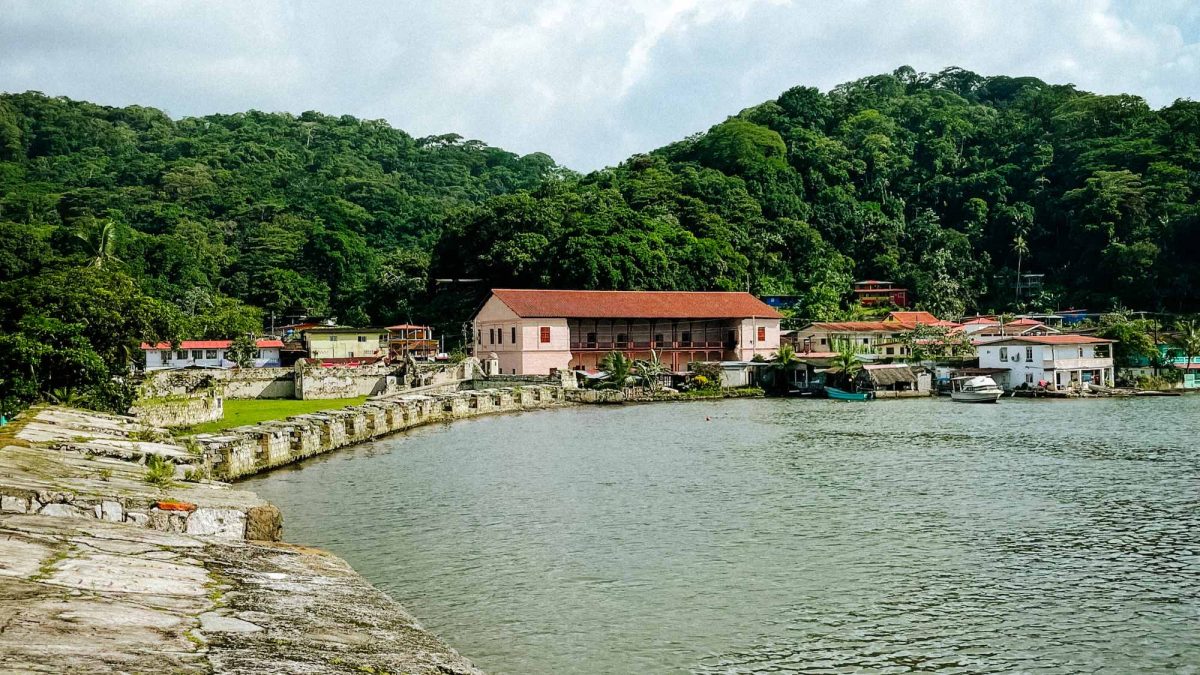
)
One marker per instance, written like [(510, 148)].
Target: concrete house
[(536, 332), (346, 342), (879, 338), (206, 354), (1061, 360)]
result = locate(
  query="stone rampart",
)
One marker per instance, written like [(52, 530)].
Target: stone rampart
[(315, 381), (181, 411), (237, 383), (243, 451)]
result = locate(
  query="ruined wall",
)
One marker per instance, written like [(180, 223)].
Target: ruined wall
[(314, 381), (237, 383), (565, 379), (244, 451), (180, 411)]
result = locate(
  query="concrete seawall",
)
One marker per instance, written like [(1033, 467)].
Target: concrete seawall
[(244, 451)]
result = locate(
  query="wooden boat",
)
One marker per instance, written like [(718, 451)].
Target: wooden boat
[(978, 389), (843, 395)]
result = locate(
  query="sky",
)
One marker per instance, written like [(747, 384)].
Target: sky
[(589, 82)]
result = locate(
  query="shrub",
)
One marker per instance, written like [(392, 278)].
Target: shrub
[(159, 472)]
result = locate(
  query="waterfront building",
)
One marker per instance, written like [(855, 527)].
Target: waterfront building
[(345, 343), (874, 338), (1063, 361), (1170, 357), (207, 354), (544, 331)]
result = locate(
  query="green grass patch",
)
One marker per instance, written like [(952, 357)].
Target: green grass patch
[(252, 411)]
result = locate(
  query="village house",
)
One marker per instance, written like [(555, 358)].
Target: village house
[(1170, 357), (1064, 361), (207, 354), (345, 343), (405, 340), (874, 338), (545, 331), (871, 292)]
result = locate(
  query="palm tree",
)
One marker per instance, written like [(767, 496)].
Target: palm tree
[(1187, 340), (1021, 247), (846, 361), (618, 366), (103, 244), (650, 370), (781, 366)]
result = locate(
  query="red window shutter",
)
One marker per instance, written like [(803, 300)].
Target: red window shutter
[(545, 334), (762, 334)]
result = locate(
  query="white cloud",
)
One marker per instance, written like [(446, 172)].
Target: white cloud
[(588, 81)]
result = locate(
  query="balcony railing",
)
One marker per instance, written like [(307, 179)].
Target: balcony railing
[(633, 345)]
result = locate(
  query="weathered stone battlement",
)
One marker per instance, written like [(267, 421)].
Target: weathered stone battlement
[(244, 451)]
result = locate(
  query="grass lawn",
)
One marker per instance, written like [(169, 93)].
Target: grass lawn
[(252, 411)]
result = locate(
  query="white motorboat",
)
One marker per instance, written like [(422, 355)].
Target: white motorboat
[(976, 389)]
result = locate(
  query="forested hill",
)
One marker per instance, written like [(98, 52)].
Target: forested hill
[(314, 214), (122, 224), (947, 183)]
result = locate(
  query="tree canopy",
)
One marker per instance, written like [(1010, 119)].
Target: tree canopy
[(124, 224)]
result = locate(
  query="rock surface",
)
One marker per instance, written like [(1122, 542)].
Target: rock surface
[(100, 597)]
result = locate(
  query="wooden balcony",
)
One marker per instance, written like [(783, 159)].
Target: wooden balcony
[(664, 346)]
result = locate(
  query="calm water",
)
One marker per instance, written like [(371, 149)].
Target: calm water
[(783, 536)]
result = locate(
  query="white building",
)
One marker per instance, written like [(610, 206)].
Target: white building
[(206, 354), (1061, 360)]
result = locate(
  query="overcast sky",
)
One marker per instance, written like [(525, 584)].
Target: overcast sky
[(587, 81)]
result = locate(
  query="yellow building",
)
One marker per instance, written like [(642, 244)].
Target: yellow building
[(345, 342)]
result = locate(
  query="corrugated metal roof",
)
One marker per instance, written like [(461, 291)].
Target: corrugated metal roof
[(211, 344), (1045, 339), (634, 304)]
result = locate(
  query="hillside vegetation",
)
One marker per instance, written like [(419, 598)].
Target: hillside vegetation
[(124, 225)]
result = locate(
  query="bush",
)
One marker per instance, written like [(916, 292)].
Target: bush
[(159, 472)]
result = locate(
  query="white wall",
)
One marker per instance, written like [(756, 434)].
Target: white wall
[(269, 357)]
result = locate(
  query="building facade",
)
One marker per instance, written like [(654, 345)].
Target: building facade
[(875, 338), (1064, 361), (207, 354), (542, 331), (344, 342)]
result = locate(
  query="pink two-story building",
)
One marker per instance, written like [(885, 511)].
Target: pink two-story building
[(535, 332)]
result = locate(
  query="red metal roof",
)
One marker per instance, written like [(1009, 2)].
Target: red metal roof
[(895, 321), (407, 326), (913, 317), (210, 344), (634, 304), (1046, 339)]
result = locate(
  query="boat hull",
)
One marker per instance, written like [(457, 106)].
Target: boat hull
[(976, 396), (842, 395)]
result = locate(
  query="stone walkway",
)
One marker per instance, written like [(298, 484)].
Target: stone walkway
[(88, 596)]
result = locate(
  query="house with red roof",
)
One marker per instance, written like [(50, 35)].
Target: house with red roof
[(1062, 361), (207, 354), (881, 338), (537, 332)]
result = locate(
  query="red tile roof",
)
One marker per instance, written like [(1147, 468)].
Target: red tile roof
[(210, 344), (634, 304), (1046, 339)]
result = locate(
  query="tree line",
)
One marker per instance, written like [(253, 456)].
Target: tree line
[(125, 225)]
